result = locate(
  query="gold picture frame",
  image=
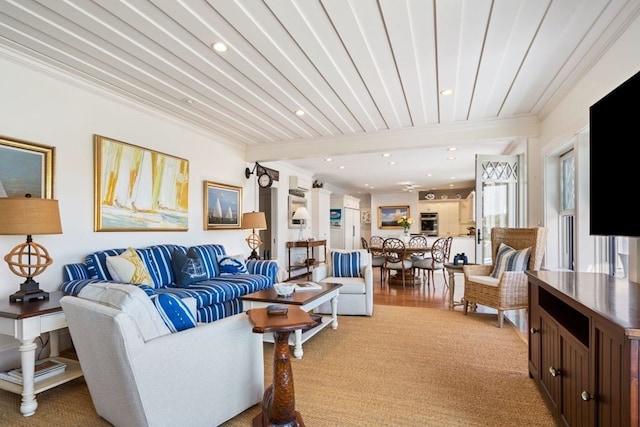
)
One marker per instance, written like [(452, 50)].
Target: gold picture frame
[(137, 189), (388, 216), (222, 206), (26, 168)]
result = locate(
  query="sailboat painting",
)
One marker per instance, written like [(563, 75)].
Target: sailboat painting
[(25, 168), (139, 189), (222, 206)]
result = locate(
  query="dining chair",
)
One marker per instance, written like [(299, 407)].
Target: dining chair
[(395, 256), (435, 262), (447, 255), (377, 259), (418, 242)]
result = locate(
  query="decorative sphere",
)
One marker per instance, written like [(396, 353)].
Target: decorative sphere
[(28, 259)]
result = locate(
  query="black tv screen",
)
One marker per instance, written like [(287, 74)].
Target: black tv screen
[(614, 166)]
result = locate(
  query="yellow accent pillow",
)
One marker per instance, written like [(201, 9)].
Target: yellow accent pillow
[(128, 267)]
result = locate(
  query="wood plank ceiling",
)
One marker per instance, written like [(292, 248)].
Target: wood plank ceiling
[(368, 74)]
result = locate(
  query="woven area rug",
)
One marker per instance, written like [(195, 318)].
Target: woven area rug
[(402, 367)]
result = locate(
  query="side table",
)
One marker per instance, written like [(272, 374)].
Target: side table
[(279, 403), (452, 269), (26, 322)]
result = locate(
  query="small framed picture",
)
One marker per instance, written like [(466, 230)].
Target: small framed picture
[(25, 168), (222, 206), (388, 216), (365, 216)]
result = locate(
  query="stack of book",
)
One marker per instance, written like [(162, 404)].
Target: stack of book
[(43, 369), (307, 286)]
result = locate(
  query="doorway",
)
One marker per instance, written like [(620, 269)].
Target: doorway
[(268, 203)]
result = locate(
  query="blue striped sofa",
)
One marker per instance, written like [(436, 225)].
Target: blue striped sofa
[(216, 297)]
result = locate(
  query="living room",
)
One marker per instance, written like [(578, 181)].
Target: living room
[(61, 112)]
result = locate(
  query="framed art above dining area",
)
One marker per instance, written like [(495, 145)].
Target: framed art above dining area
[(388, 216)]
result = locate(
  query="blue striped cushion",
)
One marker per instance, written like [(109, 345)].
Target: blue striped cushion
[(509, 259), (346, 264), (97, 263), (174, 312), (75, 271)]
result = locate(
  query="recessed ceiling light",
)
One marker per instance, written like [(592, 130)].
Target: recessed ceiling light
[(428, 174), (385, 154), (453, 177), (452, 149), (219, 47), (328, 159), (299, 113), (451, 185), (341, 167), (392, 163), (451, 158), (446, 92)]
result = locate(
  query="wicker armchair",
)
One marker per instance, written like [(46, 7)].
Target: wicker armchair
[(510, 290)]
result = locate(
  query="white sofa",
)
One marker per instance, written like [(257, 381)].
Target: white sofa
[(356, 293), (140, 374)]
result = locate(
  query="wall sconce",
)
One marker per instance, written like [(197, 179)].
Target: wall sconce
[(264, 179), (254, 221), (301, 214), (29, 216)]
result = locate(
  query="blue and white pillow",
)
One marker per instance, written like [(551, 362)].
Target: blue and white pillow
[(509, 259), (174, 312), (187, 268), (230, 265), (346, 264)]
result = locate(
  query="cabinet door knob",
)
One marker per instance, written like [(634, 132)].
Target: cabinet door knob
[(586, 396), (533, 330), (553, 371)]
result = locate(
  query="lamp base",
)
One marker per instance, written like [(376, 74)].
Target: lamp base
[(29, 290), (254, 255)]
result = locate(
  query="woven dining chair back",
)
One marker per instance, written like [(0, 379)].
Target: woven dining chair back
[(377, 259), (395, 253), (433, 263), (365, 244)]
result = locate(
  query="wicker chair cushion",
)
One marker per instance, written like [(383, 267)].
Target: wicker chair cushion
[(509, 259), (484, 280)]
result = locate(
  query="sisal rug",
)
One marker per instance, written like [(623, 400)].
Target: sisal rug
[(402, 367)]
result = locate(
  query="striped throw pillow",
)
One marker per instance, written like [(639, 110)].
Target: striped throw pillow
[(346, 264), (174, 312), (509, 259)]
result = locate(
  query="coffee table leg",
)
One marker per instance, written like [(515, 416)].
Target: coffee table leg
[(297, 352), (334, 312)]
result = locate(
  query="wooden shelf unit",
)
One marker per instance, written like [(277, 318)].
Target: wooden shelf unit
[(584, 346), (309, 245)]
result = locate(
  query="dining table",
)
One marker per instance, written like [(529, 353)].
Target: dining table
[(409, 251)]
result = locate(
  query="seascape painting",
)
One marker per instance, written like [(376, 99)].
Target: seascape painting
[(25, 168), (139, 189), (223, 206)]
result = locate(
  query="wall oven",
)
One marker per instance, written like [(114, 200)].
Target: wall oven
[(429, 223)]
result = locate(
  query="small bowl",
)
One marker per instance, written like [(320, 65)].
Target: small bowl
[(284, 289)]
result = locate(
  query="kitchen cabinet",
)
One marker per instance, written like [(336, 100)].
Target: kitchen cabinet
[(584, 346), (448, 215)]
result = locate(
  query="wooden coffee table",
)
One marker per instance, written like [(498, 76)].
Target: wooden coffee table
[(307, 301)]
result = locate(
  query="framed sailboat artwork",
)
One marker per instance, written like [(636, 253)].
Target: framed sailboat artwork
[(137, 189), (222, 206)]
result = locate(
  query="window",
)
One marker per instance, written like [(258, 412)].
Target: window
[(567, 211)]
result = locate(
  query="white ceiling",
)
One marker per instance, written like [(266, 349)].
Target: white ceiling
[(368, 73)]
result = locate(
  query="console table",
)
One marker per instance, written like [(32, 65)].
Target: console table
[(309, 245), (584, 346), (26, 322)]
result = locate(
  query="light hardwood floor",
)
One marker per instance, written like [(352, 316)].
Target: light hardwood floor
[(437, 296)]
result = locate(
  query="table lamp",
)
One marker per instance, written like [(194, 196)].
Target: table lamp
[(301, 214), (254, 221), (29, 216)]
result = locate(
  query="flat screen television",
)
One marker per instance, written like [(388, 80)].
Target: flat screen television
[(614, 166)]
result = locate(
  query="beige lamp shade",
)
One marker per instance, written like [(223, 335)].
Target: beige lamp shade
[(254, 221), (29, 216), (301, 213)]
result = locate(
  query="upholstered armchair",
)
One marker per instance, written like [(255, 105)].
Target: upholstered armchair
[(503, 284), (353, 269), (139, 373)]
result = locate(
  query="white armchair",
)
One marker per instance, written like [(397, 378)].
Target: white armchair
[(356, 293), (140, 374)]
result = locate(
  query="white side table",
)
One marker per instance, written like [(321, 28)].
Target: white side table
[(26, 322)]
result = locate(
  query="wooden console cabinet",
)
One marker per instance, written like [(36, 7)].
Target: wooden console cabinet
[(584, 350)]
